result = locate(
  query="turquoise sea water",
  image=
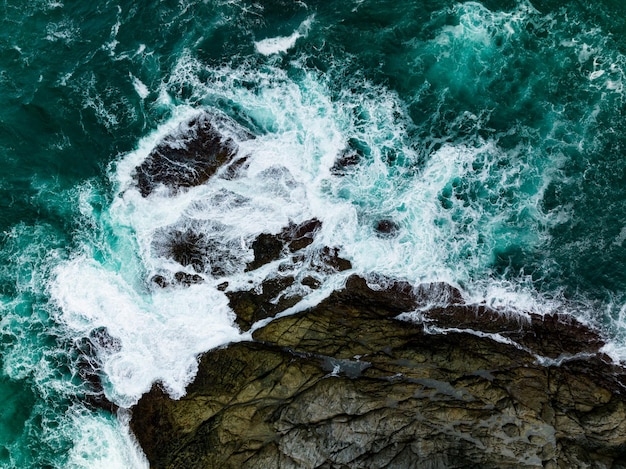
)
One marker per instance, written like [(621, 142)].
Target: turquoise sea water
[(492, 134)]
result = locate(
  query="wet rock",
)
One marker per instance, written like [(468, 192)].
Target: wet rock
[(267, 248), (345, 161), (185, 279), (311, 282), (389, 298), (160, 280), (351, 156), (271, 296), (200, 247), (188, 248), (180, 278), (199, 244), (101, 338), (270, 299), (233, 169), (89, 366), (294, 237), (345, 384), (550, 336), (554, 335), (187, 158), (329, 258), (438, 293), (300, 236)]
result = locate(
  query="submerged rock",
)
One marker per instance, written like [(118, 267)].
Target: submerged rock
[(351, 156), (197, 245), (346, 384), (89, 364), (386, 228)]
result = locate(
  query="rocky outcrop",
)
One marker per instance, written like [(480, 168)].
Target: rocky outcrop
[(253, 305), (273, 294), (294, 237), (347, 385), (187, 157)]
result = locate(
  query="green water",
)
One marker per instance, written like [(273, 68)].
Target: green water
[(491, 132)]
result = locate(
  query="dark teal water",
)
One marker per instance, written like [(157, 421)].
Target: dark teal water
[(491, 133)]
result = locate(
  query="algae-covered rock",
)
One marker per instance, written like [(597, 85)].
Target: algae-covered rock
[(347, 385)]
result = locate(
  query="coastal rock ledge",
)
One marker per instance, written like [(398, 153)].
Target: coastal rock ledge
[(346, 384)]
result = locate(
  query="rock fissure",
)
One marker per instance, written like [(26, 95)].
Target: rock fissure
[(297, 393)]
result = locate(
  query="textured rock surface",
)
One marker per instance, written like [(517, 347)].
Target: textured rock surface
[(272, 295), (345, 384), (187, 157)]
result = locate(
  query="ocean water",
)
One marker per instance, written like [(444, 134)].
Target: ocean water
[(490, 133)]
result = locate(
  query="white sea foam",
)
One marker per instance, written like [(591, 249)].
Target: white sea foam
[(159, 336), (102, 442), (275, 45), (65, 31), (480, 26), (141, 89)]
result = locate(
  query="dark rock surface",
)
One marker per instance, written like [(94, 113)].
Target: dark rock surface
[(187, 158), (273, 294), (267, 248), (386, 228), (294, 237), (354, 153), (330, 258), (251, 306), (88, 350), (198, 245), (346, 385), (180, 278)]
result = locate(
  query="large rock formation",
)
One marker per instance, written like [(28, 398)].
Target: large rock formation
[(347, 385)]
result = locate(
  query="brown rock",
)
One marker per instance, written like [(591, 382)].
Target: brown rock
[(550, 336), (267, 248), (329, 258), (300, 236), (251, 306), (344, 384)]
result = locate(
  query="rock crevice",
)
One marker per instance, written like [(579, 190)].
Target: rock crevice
[(346, 384)]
